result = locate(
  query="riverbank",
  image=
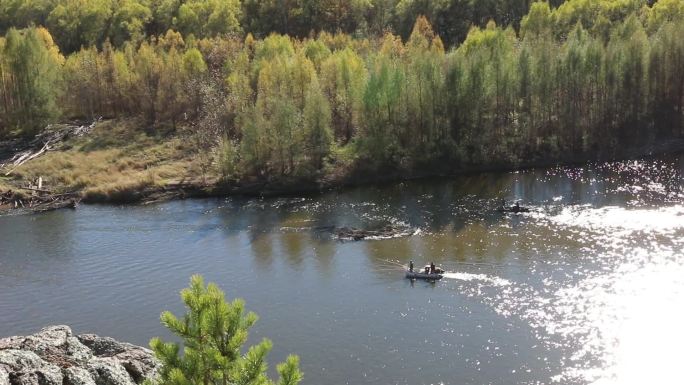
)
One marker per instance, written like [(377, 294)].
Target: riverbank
[(116, 162)]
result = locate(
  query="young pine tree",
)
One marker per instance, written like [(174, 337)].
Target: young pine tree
[(213, 332)]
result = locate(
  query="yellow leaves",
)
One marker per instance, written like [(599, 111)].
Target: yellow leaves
[(392, 46), (273, 46), (336, 42), (424, 37), (49, 43), (316, 51), (250, 42), (422, 30), (588, 12), (663, 11), (172, 39), (193, 62), (437, 45)]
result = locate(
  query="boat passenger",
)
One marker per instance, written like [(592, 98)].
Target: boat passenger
[(432, 268), (411, 266)]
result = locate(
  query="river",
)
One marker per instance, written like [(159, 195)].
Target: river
[(587, 288)]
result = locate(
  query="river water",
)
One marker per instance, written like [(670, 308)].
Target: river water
[(587, 288)]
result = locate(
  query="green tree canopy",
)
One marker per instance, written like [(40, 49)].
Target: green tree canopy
[(213, 332)]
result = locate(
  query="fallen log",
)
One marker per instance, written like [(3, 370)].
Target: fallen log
[(71, 203), (28, 157), (36, 190), (44, 142)]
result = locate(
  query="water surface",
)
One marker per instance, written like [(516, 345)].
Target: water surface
[(584, 289)]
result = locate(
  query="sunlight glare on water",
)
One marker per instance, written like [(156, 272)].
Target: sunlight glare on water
[(625, 317), (618, 221)]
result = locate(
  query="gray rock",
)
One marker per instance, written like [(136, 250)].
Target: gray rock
[(54, 356), (109, 371), (103, 346), (13, 342), (52, 335), (77, 376), (4, 376), (27, 368), (77, 351), (140, 363)]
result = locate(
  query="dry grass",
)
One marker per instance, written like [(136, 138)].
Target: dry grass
[(115, 162)]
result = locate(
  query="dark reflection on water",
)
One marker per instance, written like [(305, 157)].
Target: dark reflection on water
[(534, 298)]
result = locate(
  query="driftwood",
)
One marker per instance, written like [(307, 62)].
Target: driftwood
[(36, 190), (44, 142), (38, 203), (26, 156)]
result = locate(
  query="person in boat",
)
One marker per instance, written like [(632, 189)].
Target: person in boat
[(432, 268), (411, 266)]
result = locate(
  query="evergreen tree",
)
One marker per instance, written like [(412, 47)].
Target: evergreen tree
[(213, 333)]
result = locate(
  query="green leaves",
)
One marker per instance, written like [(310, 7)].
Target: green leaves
[(213, 332), (77, 23), (30, 73), (289, 371)]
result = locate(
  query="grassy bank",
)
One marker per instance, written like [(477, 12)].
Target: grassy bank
[(115, 162), (118, 162)]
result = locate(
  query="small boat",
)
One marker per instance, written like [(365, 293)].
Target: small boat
[(427, 276), (424, 274)]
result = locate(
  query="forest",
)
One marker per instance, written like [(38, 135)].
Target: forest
[(308, 89)]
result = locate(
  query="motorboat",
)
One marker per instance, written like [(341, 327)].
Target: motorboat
[(426, 276)]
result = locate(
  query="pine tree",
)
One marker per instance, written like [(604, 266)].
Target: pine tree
[(213, 333)]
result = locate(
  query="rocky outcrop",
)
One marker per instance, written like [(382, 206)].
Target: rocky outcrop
[(54, 356)]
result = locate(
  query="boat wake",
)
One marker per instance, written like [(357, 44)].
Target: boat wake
[(481, 278)]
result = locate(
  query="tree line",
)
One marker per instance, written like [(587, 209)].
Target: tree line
[(83, 23), (582, 77)]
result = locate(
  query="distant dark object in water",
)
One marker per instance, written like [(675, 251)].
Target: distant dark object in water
[(513, 209), (354, 234)]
